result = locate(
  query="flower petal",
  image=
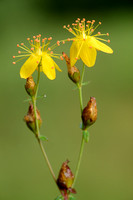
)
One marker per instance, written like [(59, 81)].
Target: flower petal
[(29, 66), (88, 55), (75, 51), (57, 67), (48, 66), (99, 45)]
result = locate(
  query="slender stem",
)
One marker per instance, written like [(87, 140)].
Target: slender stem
[(79, 159), (47, 160), (83, 141), (37, 127)]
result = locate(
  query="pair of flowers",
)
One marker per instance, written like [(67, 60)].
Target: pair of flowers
[(84, 46)]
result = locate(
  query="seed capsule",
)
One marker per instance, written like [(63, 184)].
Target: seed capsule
[(89, 114)]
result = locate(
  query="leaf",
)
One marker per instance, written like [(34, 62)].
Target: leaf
[(59, 198), (43, 138), (85, 83), (86, 135)]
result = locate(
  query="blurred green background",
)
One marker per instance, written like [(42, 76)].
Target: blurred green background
[(106, 171)]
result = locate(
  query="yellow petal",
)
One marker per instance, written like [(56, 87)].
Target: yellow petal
[(75, 51), (88, 55), (99, 45), (29, 66), (48, 66), (57, 67)]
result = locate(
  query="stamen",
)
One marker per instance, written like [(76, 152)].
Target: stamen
[(63, 42), (14, 63), (100, 23), (68, 25), (50, 38), (64, 26), (22, 44), (49, 49), (61, 57), (107, 34), (51, 52), (76, 58), (68, 39), (99, 33), (89, 22), (13, 56), (28, 39), (17, 45), (70, 29), (34, 37), (19, 52), (32, 49), (108, 41)]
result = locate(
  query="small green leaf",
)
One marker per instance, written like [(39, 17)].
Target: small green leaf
[(86, 135), (59, 197), (85, 83), (71, 197), (43, 138)]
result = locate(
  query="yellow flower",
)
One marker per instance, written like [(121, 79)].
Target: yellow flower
[(85, 44), (39, 54)]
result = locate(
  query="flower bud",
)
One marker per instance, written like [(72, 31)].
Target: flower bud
[(65, 179), (30, 119), (30, 86), (73, 72), (89, 114)]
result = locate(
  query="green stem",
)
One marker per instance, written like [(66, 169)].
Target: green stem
[(83, 141), (37, 127)]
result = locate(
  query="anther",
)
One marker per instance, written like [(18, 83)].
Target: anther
[(73, 24), (73, 40), (108, 41), (107, 34), (39, 35), (68, 25), (64, 26), (58, 43), (37, 62), (92, 30), (19, 52), (83, 19), (31, 40), (99, 33), (49, 49), (14, 63), (86, 25), (90, 46), (52, 67), (17, 45), (32, 49), (78, 19), (34, 37), (28, 39), (89, 22), (51, 52), (13, 56), (100, 23), (50, 38), (70, 29), (22, 44), (63, 42), (76, 58), (93, 21), (68, 39), (61, 57)]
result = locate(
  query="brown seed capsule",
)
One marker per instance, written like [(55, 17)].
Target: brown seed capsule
[(30, 86), (89, 114), (30, 119), (73, 72), (65, 180)]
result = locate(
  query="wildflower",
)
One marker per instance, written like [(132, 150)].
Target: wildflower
[(85, 45), (39, 55)]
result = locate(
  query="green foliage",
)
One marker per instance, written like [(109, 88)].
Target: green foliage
[(59, 197), (43, 138)]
